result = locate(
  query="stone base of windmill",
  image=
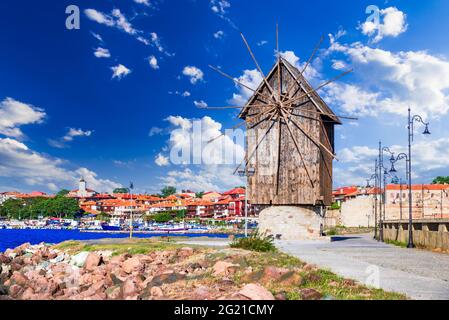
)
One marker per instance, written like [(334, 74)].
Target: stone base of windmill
[(291, 223)]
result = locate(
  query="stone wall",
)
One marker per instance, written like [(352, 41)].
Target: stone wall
[(291, 223), (358, 212), (431, 234)]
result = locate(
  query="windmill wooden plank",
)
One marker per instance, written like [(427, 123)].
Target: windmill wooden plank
[(293, 166)]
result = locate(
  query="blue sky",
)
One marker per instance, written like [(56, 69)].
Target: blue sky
[(63, 115)]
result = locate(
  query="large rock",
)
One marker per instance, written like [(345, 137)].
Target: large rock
[(93, 260), (256, 292), (224, 268), (80, 259), (130, 265), (291, 223)]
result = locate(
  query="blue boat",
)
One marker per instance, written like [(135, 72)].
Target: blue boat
[(108, 227)]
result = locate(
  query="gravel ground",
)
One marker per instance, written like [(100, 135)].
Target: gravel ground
[(417, 273)]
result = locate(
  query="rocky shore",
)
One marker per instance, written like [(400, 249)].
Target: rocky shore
[(75, 271)]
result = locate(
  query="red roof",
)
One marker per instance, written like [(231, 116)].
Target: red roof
[(235, 191), (345, 191)]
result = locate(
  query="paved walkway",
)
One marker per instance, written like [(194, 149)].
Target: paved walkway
[(418, 274)]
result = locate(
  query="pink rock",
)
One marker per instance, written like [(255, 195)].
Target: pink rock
[(274, 273), (156, 292), (93, 260), (256, 292), (223, 268), (130, 265), (18, 278), (185, 252), (128, 289), (202, 293), (28, 294), (113, 293), (15, 290)]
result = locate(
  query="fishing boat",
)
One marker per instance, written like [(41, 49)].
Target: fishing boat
[(110, 227)]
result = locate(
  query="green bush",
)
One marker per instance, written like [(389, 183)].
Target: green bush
[(331, 232), (335, 206), (255, 242)]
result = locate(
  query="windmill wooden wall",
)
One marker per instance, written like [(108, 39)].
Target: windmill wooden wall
[(294, 187)]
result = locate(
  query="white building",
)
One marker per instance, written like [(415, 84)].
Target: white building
[(83, 191)]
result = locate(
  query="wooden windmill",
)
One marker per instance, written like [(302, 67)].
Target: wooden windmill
[(290, 136)]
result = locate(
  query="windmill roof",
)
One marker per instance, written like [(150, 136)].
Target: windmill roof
[(316, 99)]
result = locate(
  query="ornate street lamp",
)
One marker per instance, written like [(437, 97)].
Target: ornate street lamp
[(411, 121), (374, 177), (383, 197)]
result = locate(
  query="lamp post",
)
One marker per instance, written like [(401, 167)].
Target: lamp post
[(383, 189), (411, 121), (374, 177), (248, 172)]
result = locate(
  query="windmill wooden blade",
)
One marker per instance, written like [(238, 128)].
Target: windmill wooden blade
[(248, 159), (319, 87), (223, 134), (278, 158), (313, 55), (235, 107), (297, 148), (321, 113), (257, 65), (317, 143), (239, 83)]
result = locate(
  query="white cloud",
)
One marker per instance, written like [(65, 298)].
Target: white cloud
[(219, 34), (186, 94), (339, 65), (311, 72), (99, 17), (220, 6), (120, 71), (93, 182), (152, 60), (68, 137), (72, 133), (394, 23), (187, 134), (14, 114), (144, 2), (250, 78), (357, 162), (262, 43), (24, 165), (97, 36), (102, 53), (155, 131), (161, 160), (392, 81), (119, 21), (211, 174), (195, 74), (200, 104)]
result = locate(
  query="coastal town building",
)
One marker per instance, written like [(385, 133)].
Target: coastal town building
[(429, 201), (82, 191)]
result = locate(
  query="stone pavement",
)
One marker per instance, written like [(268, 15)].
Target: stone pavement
[(417, 273)]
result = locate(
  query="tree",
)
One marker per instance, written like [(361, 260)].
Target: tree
[(168, 191), (121, 190), (12, 208), (63, 193), (441, 180), (162, 217), (199, 194)]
